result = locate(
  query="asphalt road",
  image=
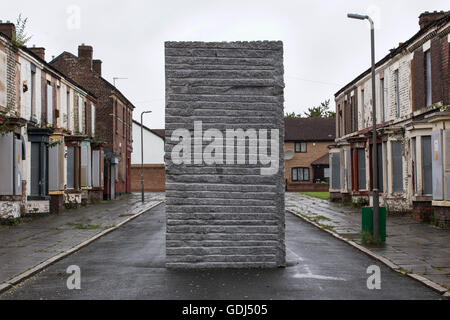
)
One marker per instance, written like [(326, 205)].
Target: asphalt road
[(129, 264)]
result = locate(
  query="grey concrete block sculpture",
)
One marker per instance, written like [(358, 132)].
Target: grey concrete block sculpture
[(224, 155)]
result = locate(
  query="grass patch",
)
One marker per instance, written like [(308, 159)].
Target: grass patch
[(369, 239), (83, 226), (11, 222), (318, 218), (319, 195), (435, 222)]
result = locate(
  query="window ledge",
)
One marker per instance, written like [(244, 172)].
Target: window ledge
[(38, 198)]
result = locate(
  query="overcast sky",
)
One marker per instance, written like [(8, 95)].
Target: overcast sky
[(323, 50)]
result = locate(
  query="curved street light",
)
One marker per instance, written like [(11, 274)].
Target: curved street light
[(376, 204)]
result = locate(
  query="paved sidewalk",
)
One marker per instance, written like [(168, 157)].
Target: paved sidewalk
[(416, 247), (32, 242)]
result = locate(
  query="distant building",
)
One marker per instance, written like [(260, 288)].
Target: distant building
[(413, 121), (154, 168), (114, 117), (307, 139)]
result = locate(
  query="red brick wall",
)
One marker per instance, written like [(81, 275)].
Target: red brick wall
[(113, 112), (154, 177), (308, 187)]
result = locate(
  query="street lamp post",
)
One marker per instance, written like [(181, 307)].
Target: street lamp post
[(142, 154), (376, 205)]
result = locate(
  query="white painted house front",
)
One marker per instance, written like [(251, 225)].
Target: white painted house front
[(153, 145), (154, 168)]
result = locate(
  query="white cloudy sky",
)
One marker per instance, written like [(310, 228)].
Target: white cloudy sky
[(323, 50)]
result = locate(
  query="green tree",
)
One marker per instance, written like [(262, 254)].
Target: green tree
[(293, 115), (322, 111), (20, 38)]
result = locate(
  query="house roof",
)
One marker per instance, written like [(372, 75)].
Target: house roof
[(323, 160), (103, 79), (49, 67), (159, 132), (309, 129), (399, 49)]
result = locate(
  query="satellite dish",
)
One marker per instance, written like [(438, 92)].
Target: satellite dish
[(288, 155)]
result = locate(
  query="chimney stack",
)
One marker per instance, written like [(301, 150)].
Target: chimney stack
[(39, 51), (97, 66), (427, 17), (85, 55), (8, 29)]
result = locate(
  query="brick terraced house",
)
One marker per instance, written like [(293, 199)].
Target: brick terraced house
[(413, 121), (113, 118), (307, 139), (47, 123)]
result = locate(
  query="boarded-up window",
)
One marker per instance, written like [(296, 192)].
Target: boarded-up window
[(427, 174), (92, 120), (397, 92), (386, 162), (6, 164), (383, 114), (3, 64), (67, 117), (353, 114), (438, 176), (49, 103), (347, 168), (414, 159), (335, 171), (96, 168), (397, 167), (363, 125), (361, 169), (53, 163), (89, 165), (39, 182), (18, 157), (32, 91), (428, 78), (380, 167), (80, 114), (83, 166), (70, 167)]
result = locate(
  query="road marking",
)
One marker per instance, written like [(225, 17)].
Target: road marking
[(309, 274)]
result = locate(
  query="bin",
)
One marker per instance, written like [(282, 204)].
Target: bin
[(367, 221)]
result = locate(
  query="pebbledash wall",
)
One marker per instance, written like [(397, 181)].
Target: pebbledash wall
[(219, 215)]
